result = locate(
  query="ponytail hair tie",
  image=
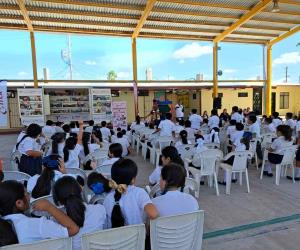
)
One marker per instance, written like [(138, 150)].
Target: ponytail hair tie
[(97, 188), (121, 188)]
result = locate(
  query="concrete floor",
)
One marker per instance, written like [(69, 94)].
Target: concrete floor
[(265, 202)]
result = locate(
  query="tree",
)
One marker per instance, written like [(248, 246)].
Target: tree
[(112, 75)]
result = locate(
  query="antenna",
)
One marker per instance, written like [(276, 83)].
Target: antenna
[(66, 55)]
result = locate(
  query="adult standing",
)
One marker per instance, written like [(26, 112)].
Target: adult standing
[(179, 110), (195, 119)]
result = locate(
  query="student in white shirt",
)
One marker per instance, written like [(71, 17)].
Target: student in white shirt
[(49, 129), (270, 128), (235, 115), (127, 204), (254, 127), (90, 128), (72, 148), (298, 130), (182, 141), (106, 134), (284, 140), (22, 133), (173, 201), (290, 122), (237, 134), (58, 144), (115, 153), (31, 159), (137, 124), (231, 128), (58, 127), (179, 111), (168, 154), (166, 127), (213, 136), (87, 148), (214, 120), (195, 119), (191, 132), (98, 184), (276, 121), (125, 144), (179, 126), (14, 202), (73, 127), (89, 218)]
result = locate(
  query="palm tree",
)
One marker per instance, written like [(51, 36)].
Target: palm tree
[(112, 75)]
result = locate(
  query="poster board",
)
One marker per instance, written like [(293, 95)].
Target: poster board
[(3, 104), (101, 105), (31, 106), (119, 117)]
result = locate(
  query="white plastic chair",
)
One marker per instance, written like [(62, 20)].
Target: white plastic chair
[(152, 191), (253, 146), (41, 213), (208, 162), (266, 140), (239, 166), (186, 151), (125, 238), (152, 151), (99, 156), (16, 176), (60, 243), (77, 171), (212, 145), (104, 169), (162, 143), (182, 232)]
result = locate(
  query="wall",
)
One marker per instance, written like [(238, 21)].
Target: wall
[(294, 99)]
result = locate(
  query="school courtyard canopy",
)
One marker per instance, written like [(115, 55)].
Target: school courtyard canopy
[(263, 22)]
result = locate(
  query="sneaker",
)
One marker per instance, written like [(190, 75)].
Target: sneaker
[(270, 174), (202, 183), (222, 183), (291, 178), (265, 173), (234, 181)]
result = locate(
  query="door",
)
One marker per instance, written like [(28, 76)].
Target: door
[(257, 100), (273, 102)]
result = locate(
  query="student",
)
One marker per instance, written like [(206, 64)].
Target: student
[(284, 140), (290, 122), (106, 134), (298, 129), (179, 110), (270, 128), (172, 201), (297, 167), (31, 160), (276, 121), (74, 128), (22, 133), (90, 128), (72, 149), (14, 202), (49, 129), (58, 144), (58, 127), (183, 140), (87, 148), (115, 153), (179, 126), (7, 234), (89, 218), (189, 130), (224, 117), (213, 136), (127, 203), (254, 126), (1, 171), (166, 127), (98, 183), (237, 135), (235, 114), (205, 115), (231, 128), (125, 144), (214, 120), (199, 147), (67, 130), (195, 119), (168, 154)]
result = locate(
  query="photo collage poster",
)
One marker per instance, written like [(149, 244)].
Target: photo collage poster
[(101, 105), (3, 104), (119, 119), (31, 106)]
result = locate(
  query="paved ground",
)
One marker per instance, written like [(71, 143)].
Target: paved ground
[(265, 202)]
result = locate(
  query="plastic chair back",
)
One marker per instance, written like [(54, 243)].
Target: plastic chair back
[(54, 244), (191, 186), (77, 171), (186, 151), (288, 155), (164, 142), (104, 169), (182, 232), (132, 238), (212, 145), (16, 176), (41, 213), (241, 160)]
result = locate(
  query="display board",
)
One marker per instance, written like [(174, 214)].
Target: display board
[(3, 104), (119, 117), (101, 105), (31, 106)]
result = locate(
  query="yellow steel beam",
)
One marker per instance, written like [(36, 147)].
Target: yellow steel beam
[(269, 81), (33, 56), (284, 36), (141, 22), (215, 70), (25, 14), (135, 74), (256, 9)]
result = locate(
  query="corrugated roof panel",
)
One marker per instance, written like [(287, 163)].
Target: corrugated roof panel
[(174, 32), (260, 31), (278, 18), (285, 8), (263, 23), (11, 12), (247, 4), (15, 2), (245, 36), (128, 2), (12, 21)]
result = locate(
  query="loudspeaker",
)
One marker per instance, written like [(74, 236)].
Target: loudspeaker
[(217, 103)]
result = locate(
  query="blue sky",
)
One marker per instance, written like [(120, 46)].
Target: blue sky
[(94, 56)]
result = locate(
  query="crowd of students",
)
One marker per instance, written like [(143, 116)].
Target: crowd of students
[(123, 202)]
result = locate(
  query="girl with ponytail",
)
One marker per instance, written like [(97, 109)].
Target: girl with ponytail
[(169, 154), (88, 148), (183, 141), (173, 201), (89, 218), (127, 203), (58, 144)]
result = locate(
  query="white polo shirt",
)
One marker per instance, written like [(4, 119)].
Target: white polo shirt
[(105, 133), (92, 148), (166, 128), (236, 136), (230, 130), (110, 161), (271, 128), (280, 143), (213, 121), (30, 229), (236, 116), (89, 129), (132, 205), (95, 220), (298, 127), (277, 122), (28, 144), (125, 144), (48, 131), (292, 123), (73, 161), (190, 132), (255, 128), (179, 111), (155, 175), (60, 150), (174, 203), (195, 120)]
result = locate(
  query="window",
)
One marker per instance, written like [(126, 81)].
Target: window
[(220, 95), (143, 93), (194, 96), (284, 100), (243, 94)]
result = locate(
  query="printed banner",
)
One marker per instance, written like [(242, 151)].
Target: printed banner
[(31, 106), (3, 104), (101, 105), (119, 110)]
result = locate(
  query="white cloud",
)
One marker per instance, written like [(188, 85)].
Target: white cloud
[(22, 73), (288, 58), (193, 50), (123, 75), (229, 71), (90, 62), (181, 61)]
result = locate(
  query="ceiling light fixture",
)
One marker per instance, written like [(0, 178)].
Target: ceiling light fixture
[(275, 8)]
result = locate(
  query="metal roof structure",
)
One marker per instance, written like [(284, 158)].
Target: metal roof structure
[(243, 21)]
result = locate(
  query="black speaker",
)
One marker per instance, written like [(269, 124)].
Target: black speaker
[(217, 103)]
